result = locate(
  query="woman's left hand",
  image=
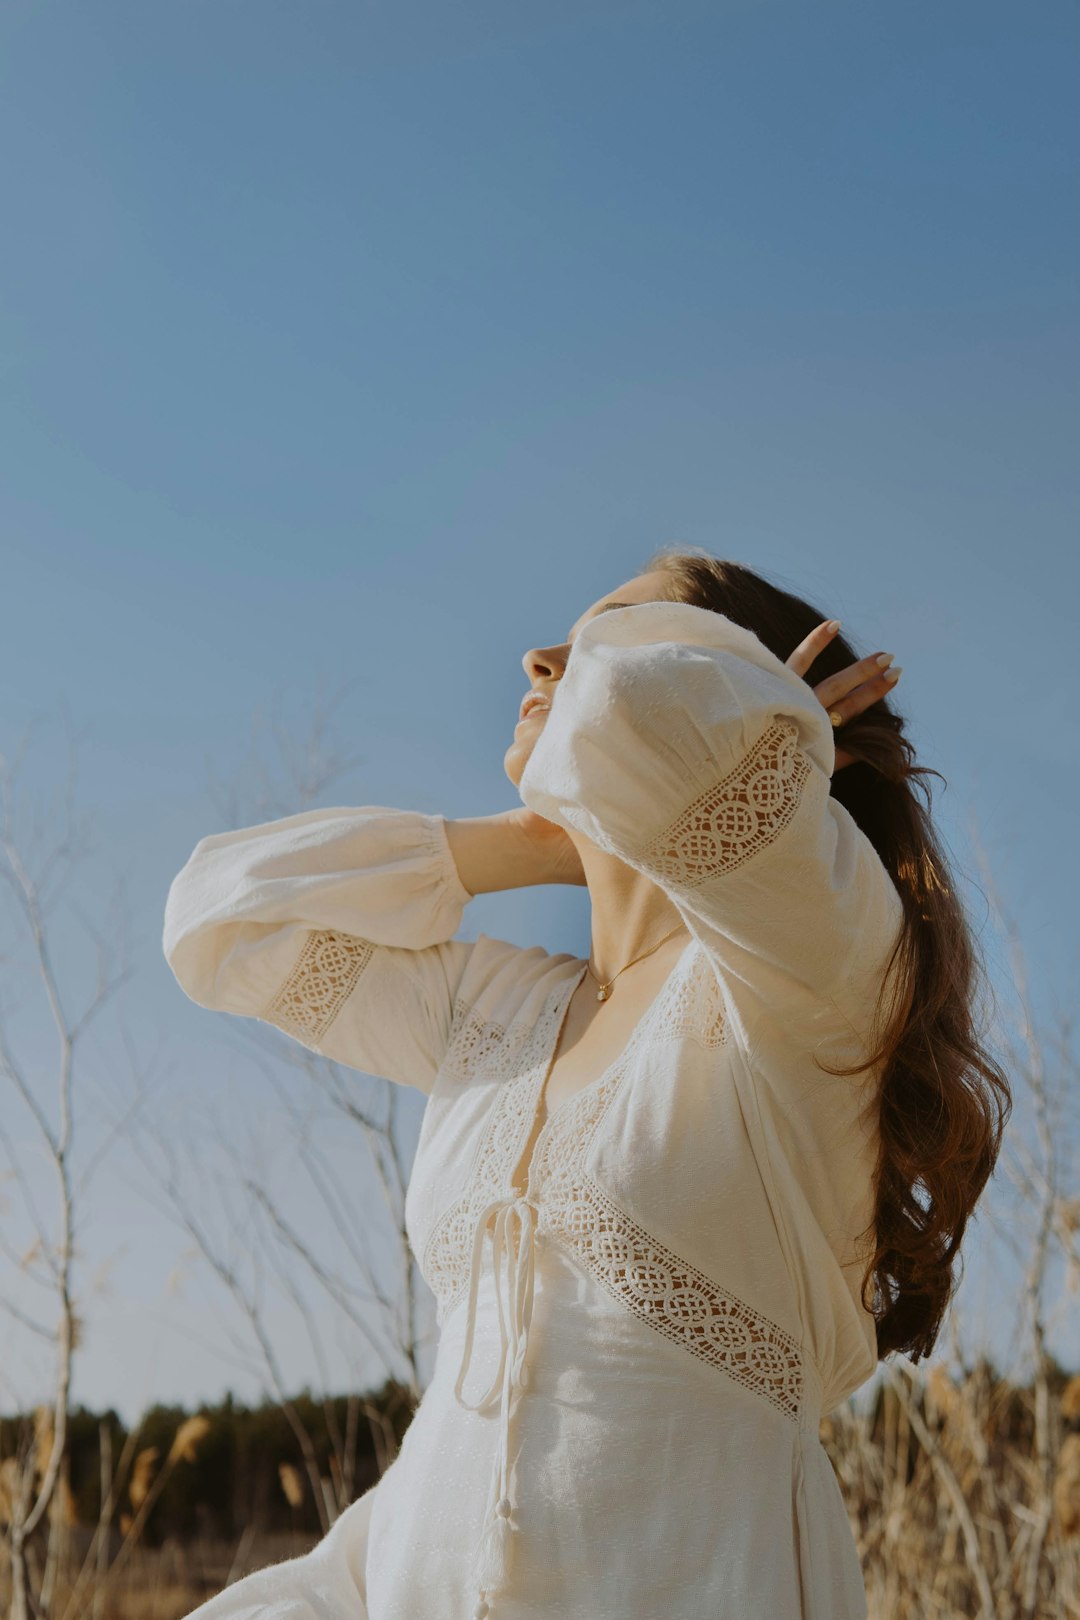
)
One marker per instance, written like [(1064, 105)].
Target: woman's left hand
[(852, 690)]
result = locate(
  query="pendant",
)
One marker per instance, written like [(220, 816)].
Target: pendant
[(603, 993)]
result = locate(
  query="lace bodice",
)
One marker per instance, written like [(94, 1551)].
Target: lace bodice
[(572, 1210)]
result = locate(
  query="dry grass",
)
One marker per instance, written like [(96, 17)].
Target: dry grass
[(166, 1583), (959, 1509)]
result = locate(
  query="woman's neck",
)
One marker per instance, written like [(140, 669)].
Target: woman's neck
[(630, 913)]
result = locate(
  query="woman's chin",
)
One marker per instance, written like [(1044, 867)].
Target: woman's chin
[(515, 759)]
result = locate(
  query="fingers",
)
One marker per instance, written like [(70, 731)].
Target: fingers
[(850, 690), (811, 645)]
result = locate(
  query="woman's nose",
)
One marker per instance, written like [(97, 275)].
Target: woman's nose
[(541, 663)]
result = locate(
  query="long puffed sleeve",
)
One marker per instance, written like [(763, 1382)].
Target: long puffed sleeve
[(677, 741), (334, 925)]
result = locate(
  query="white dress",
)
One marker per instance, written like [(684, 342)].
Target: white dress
[(639, 1338)]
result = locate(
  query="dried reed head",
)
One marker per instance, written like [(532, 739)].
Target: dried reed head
[(188, 1438), (142, 1476), (291, 1484)]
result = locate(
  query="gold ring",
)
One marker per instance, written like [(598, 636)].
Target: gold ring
[(836, 717)]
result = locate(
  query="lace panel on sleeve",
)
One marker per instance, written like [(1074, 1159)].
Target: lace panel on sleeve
[(321, 981), (736, 817)]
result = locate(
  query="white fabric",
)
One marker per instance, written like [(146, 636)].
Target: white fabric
[(639, 1337)]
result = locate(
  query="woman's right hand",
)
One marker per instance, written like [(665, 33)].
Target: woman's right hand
[(513, 849), (555, 850)]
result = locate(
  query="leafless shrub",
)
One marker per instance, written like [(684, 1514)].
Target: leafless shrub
[(58, 1121), (265, 1243)]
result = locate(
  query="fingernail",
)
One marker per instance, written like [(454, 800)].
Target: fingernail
[(894, 674), (833, 625), (884, 659)]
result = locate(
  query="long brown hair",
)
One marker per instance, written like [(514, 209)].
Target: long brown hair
[(943, 1101)]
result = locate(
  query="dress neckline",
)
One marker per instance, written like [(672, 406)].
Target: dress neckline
[(643, 1024)]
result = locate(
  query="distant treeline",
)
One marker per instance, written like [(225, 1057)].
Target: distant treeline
[(245, 1467), (220, 1471)]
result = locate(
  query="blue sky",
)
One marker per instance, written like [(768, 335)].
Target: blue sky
[(365, 346)]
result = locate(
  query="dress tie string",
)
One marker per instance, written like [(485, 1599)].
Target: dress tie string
[(495, 1551)]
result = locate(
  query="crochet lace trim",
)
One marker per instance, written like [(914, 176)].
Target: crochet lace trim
[(640, 1272), (738, 816), (321, 981), (678, 1301), (511, 1057)]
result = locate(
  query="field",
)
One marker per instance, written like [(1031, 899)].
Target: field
[(963, 1495)]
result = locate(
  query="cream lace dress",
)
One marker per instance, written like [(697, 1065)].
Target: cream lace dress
[(641, 1330)]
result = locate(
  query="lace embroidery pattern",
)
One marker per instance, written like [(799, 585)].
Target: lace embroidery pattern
[(642, 1274), (695, 1007), (321, 981), (679, 1301), (736, 817), (509, 1058), (478, 1045)]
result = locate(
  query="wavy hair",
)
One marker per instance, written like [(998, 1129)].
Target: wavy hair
[(943, 1101)]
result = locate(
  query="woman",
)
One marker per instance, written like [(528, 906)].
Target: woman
[(677, 1199)]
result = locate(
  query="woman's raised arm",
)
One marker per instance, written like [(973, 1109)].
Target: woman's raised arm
[(334, 925), (513, 849), (677, 741)]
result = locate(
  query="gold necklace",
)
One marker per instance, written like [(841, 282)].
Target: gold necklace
[(605, 989)]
